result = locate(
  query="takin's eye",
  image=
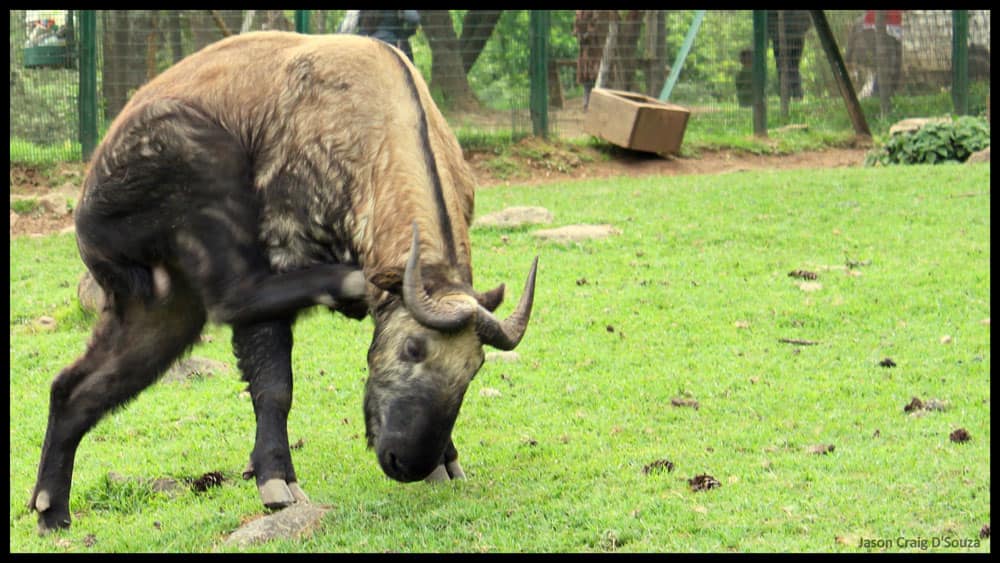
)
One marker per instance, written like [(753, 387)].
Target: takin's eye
[(414, 350)]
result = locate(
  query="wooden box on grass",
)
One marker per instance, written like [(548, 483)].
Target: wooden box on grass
[(636, 122)]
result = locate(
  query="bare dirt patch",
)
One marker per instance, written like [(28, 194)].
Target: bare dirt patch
[(48, 195)]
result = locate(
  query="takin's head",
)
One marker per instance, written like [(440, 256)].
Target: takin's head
[(427, 348)]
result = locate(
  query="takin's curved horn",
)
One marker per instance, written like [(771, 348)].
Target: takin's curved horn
[(507, 334), (442, 314), (450, 314)]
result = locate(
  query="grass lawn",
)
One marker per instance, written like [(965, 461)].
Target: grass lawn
[(690, 303)]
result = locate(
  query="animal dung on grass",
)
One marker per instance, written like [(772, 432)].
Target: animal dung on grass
[(918, 406), (960, 436), (821, 449), (207, 481), (703, 482), (684, 402), (887, 363), (915, 405), (802, 274), (658, 466)]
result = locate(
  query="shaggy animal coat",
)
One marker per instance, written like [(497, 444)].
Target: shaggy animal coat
[(253, 179), (342, 146)]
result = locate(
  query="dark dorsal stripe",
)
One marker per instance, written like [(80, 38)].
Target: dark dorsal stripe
[(444, 220)]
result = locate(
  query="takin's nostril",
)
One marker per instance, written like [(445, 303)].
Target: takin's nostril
[(394, 464)]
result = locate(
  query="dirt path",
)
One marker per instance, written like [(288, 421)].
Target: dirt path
[(41, 202), (716, 162)]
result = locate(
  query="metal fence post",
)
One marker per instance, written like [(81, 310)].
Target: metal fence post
[(301, 21), (960, 61), (759, 73), (87, 96), (538, 67)]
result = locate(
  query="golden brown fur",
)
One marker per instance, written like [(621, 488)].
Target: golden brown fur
[(322, 107)]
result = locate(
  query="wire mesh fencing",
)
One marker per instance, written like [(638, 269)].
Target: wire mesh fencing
[(478, 64)]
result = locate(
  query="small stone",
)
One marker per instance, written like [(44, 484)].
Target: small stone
[(89, 294), (982, 156), (45, 323), (507, 357), (915, 124), (515, 217), (575, 233), (188, 368), (292, 522)]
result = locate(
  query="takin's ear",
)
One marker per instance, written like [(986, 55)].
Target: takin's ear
[(492, 298), (390, 280)]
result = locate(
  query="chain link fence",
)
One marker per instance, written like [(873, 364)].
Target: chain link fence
[(478, 64)]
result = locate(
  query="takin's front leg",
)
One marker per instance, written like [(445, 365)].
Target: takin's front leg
[(264, 352), (449, 468)]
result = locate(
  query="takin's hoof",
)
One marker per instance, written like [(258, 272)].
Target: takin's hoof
[(447, 472), (49, 517), (277, 494)]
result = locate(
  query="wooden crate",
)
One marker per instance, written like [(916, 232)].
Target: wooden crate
[(636, 122)]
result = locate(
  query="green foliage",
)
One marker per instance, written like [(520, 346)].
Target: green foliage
[(23, 206), (934, 143)]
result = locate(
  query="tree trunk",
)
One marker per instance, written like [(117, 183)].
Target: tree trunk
[(319, 21), (203, 28), (276, 20), (477, 27), (114, 41), (610, 47), (656, 52), (173, 33), (140, 26), (628, 52), (233, 19), (882, 64), (447, 72), (247, 23), (152, 46), (783, 65)]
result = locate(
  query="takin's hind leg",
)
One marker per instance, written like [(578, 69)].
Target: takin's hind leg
[(132, 345), (264, 352)]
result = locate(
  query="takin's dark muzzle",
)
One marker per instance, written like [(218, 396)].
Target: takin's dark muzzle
[(413, 438)]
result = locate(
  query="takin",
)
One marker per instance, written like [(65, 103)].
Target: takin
[(264, 174)]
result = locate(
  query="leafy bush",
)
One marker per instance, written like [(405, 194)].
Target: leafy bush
[(933, 143)]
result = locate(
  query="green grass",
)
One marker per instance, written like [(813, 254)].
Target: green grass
[(689, 301)]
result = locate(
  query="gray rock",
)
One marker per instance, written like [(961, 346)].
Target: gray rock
[(515, 217), (508, 357), (187, 368), (89, 294), (572, 233), (915, 123), (292, 522), (979, 156)]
